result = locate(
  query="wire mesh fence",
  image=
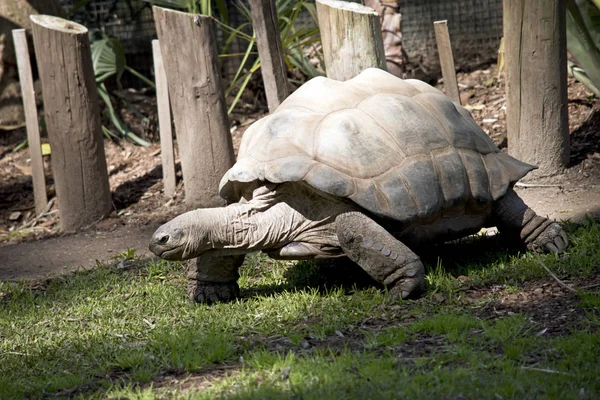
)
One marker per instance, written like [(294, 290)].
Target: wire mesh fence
[(475, 30)]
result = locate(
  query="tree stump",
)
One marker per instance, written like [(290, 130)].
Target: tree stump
[(268, 41), (535, 51), (351, 38), (189, 51), (72, 120)]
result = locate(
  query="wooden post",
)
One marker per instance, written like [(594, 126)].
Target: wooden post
[(446, 60), (31, 119), (351, 38), (268, 41), (535, 54), (164, 122), (70, 97), (188, 47)]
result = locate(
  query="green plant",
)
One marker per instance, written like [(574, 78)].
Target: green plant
[(296, 37), (108, 59), (583, 41)]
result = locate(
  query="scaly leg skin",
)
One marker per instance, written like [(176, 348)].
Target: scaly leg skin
[(381, 255), (539, 234), (213, 277)]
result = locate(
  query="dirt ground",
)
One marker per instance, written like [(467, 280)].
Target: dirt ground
[(32, 247)]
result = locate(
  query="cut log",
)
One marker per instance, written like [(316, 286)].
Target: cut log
[(268, 41), (351, 38), (535, 52), (31, 119), (164, 122), (442, 38), (72, 115), (188, 47)]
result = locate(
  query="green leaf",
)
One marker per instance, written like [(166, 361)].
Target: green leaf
[(108, 58), (223, 12), (120, 125), (581, 76), (581, 44), (179, 4)]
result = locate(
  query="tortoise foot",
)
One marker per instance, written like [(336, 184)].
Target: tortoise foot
[(381, 255), (551, 238), (213, 292)]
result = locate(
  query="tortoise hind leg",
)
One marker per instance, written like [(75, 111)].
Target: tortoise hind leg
[(511, 215), (381, 255)]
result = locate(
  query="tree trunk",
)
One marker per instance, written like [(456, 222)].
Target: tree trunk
[(268, 41), (73, 120), (536, 83), (189, 51), (351, 38), (391, 29)]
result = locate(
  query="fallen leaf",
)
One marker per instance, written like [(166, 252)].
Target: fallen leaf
[(477, 107)]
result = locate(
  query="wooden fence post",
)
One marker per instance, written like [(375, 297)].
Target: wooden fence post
[(164, 122), (351, 38), (31, 119), (70, 95), (535, 52), (268, 41), (188, 46), (446, 60)]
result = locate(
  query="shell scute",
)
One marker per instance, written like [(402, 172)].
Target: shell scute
[(479, 181), (453, 178), (341, 144), (417, 134), (423, 184)]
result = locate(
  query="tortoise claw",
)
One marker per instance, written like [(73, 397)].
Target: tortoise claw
[(213, 292), (553, 239)]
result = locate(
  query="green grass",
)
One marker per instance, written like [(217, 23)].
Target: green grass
[(304, 330)]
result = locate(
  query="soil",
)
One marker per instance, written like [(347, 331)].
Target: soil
[(33, 247)]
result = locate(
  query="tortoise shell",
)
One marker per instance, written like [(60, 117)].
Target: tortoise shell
[(401, 149)]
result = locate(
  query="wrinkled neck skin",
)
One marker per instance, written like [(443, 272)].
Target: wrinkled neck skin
[(272, 219)]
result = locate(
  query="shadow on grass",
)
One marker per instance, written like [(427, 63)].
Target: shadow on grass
[(473, 253)]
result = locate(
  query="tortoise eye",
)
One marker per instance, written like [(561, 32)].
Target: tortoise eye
[(163, 239)]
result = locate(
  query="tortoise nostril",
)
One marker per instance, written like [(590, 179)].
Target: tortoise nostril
[(163, 239)]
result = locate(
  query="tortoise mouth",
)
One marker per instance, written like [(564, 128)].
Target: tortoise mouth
[(173, 254)]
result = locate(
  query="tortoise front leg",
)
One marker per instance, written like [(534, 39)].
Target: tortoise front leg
[(381, 255), (213, 277), (511, 215)]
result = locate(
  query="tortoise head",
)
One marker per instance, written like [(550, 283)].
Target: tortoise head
[(185, 236)]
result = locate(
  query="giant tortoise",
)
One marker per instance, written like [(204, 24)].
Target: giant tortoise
[(370, 169)]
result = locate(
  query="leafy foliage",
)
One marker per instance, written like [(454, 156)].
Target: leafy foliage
[(583, 41), (296, 37), (108, 59)]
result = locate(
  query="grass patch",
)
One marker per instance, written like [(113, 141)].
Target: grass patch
[(303, 330)]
